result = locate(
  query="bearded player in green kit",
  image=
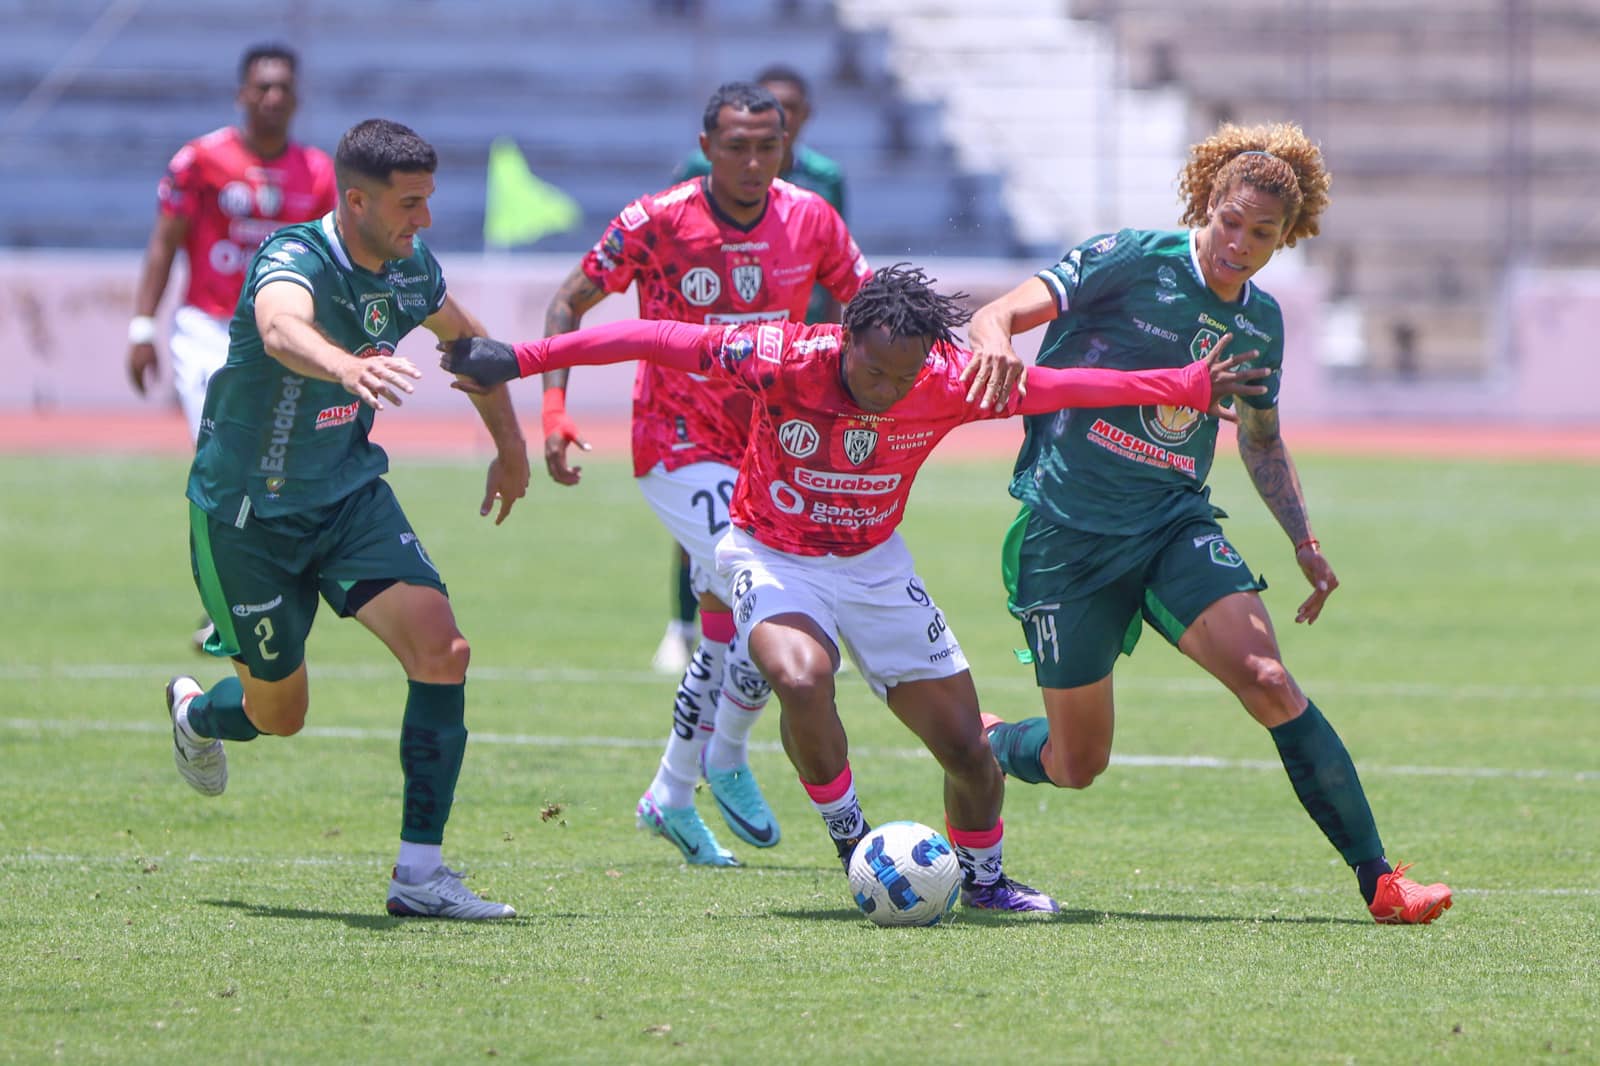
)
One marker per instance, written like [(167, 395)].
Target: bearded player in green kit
[(1117, 525), (287, 500)]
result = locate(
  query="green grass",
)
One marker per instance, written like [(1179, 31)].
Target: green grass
[(1206, 918)]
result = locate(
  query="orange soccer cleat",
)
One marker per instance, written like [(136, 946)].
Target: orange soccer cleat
[(1402, 901)]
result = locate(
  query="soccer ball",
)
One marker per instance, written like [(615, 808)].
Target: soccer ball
[(904, 873)]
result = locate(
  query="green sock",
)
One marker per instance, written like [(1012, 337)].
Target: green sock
[(433, 739), (220, 712), (1325, 779), (1017, 746)]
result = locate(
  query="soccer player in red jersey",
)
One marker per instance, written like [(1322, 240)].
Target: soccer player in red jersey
[(845, 416), (736, 246), (222, 194)]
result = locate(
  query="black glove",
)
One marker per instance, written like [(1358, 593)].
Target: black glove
[(483, 359)]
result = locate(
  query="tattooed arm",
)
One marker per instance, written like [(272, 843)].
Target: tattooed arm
[(1266, 457), (567, 308)]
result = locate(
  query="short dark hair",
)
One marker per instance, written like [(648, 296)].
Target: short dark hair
[(741, 96), (257, 52), (376, 148), (780, 72), (901, 299)]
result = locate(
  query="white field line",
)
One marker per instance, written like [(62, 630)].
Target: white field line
[(533, 740), (354, 862), (1019, 679)]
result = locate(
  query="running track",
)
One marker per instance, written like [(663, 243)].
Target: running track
[(124, 433)]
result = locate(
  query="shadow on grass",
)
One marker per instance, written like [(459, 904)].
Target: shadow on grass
[(379, 922), (967, 916)]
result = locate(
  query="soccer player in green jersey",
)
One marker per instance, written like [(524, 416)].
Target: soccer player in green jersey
[(1117, 523), (287, 499)]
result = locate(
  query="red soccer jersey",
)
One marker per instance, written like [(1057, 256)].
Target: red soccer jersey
[(692, 264), (821, 476), (232, 199)]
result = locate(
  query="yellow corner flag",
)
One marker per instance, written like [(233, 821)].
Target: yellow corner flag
[(520, 208)]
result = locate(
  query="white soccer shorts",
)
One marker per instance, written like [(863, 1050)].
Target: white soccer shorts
[(199, 347), (692, 502), (873, 605)]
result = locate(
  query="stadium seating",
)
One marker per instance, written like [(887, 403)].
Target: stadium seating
[(604, 98)]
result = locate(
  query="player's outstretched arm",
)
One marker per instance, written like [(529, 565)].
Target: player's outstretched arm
[(284, 311), (489, 362), (507, 480), (1197, 385)]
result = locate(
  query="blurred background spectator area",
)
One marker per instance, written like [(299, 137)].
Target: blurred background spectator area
[(1463, 135)]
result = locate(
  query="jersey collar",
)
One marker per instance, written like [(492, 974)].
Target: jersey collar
[(330, 230), (1200, 275), (722, 216)]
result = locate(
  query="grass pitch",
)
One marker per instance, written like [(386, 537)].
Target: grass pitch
[(1206, 918)]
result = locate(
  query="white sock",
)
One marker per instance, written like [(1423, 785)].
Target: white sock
[(842, 814), (417, 862), (744, 694), (694, 711)]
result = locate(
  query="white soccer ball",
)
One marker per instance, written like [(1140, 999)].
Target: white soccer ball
[(904, 873)]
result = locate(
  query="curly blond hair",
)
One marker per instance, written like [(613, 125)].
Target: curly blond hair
[(1278, 159)]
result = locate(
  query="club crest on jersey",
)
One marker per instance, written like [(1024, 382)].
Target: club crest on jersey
[(747, 281), (701, 286), (375, 319), (1223, 554), (859, 444), (798, 437), (1203, 342)]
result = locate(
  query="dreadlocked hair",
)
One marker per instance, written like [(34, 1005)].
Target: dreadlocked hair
[(901, 299)]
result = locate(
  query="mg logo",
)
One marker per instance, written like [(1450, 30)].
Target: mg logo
[(798, 437), (701, 286)]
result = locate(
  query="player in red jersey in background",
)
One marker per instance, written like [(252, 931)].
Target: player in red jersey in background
[(845, 416), (222, 194), (736, 246)]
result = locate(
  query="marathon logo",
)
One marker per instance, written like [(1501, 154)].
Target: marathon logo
[(1125, 444), (859, 484), (329, 417)]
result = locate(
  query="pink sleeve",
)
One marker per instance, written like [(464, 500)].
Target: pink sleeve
[(1051, 389), (671, 344)]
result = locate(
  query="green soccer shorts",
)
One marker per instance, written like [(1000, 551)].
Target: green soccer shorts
[(260, 584), (1082, 598)]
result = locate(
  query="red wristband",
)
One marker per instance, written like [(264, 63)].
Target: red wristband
[(554, 410), (1309, 542)]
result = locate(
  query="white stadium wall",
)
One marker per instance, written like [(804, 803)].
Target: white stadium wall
[(63, 324)]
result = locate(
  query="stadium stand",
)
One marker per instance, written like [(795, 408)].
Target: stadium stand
[(603, 97)]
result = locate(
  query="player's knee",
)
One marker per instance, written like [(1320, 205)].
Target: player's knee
[(1072, 769), (1266, 682), (442, 662), (801, 684)]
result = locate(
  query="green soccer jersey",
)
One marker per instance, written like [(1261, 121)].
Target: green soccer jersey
[(1136, 300), (273, 442)]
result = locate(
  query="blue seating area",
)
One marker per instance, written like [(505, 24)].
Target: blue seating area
[(604, 98)]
